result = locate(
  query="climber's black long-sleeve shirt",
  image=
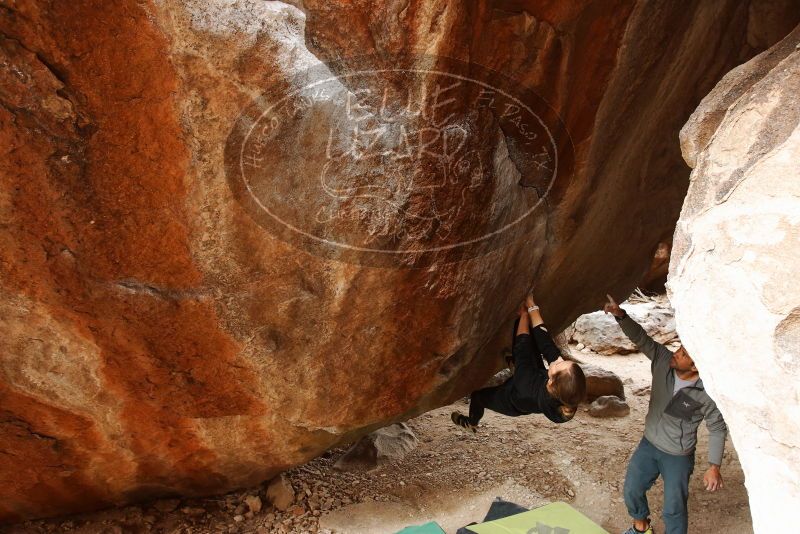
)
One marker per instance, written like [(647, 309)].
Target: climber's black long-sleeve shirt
[(529, 383)]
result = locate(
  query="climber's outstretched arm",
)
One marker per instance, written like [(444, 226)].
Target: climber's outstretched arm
[(542, 339)]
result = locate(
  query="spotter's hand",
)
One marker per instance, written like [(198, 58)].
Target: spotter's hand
[(612, 307), (712, 479)]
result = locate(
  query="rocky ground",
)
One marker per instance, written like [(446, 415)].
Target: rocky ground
[(451, 477)]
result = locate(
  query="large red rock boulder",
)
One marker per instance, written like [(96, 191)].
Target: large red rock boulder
[(733, 274), (216, 264)]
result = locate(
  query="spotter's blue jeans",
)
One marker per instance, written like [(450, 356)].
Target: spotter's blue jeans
[(646, 464)]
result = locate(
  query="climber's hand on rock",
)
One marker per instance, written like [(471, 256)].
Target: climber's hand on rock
[(529, 300), (523, 309), (712, 480), (612, 307)]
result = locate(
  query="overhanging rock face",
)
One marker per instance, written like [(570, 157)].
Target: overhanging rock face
[(236, 234), (734, 269)]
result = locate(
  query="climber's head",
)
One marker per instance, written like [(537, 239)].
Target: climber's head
[(567, 383), (682, 362)]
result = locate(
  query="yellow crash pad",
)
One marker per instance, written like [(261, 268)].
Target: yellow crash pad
[(554, 518)]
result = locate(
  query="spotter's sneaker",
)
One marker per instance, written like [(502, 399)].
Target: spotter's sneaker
[(633, 530), (463, 421)]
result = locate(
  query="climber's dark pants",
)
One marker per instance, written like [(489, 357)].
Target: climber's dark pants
[(643, 470), (497, 399)]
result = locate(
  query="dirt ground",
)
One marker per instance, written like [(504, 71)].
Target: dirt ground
[(452, 477)]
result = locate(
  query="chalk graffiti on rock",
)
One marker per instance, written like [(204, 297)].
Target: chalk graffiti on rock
[(377, 165)]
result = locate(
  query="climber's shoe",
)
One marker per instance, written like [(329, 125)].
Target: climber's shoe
[(463, 421)]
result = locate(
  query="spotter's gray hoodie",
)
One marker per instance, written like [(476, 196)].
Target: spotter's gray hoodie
[(671, 422)]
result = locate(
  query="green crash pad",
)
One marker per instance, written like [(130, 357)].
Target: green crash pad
[(427, 528), (555, 518)]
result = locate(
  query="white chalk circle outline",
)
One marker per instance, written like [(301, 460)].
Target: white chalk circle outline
[(409, 251)]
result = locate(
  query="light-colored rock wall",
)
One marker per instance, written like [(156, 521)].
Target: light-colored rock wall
[(734, 268)]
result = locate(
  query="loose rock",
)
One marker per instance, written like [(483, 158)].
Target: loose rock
[(253, 502), (609, 406), (280, 493), (600, 382), (389, 443), (167, 505)]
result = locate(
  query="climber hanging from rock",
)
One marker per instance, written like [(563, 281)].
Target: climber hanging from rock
[(555, 391)]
